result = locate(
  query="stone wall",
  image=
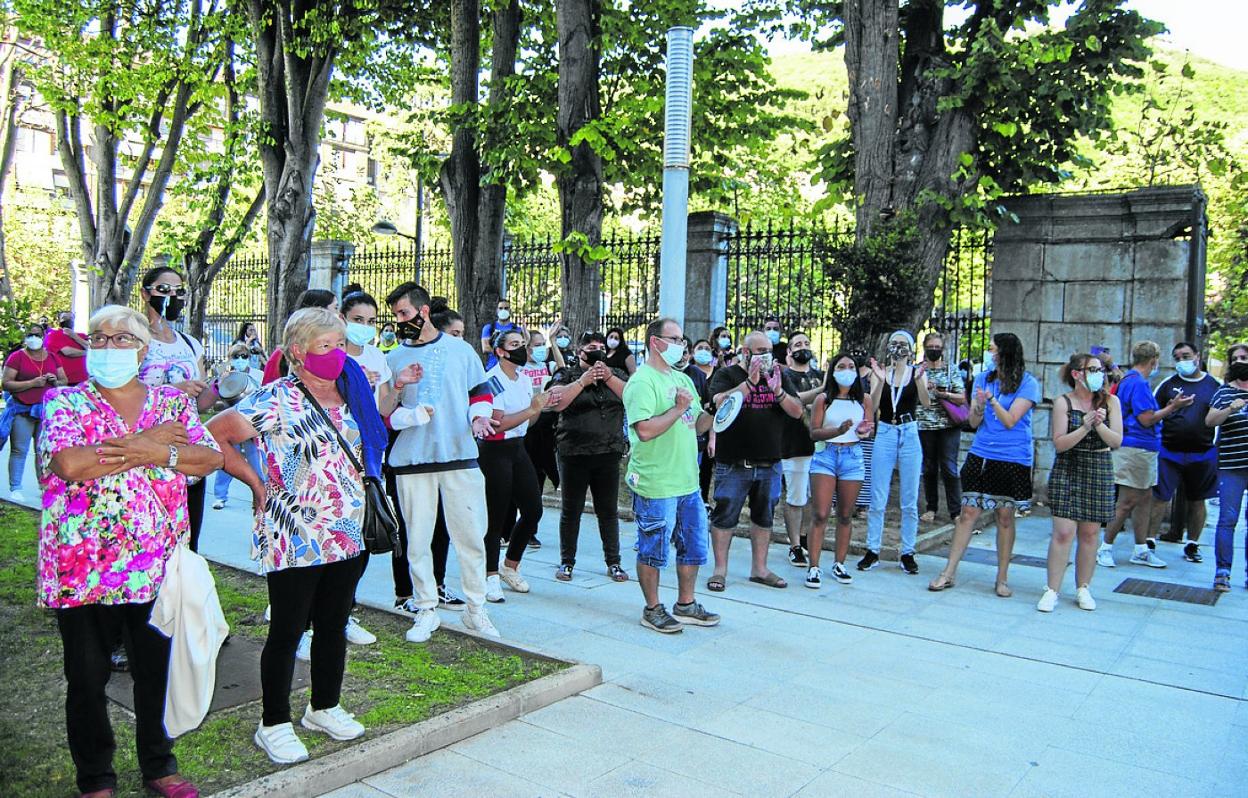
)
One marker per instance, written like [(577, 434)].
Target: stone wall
[(1078, 271)]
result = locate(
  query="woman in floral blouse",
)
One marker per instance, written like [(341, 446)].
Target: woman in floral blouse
[(114, 457), (309, 515)]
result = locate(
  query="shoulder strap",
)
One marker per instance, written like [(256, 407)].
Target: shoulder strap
[(330, 423)]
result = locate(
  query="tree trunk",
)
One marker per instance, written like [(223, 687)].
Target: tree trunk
[(580, 184), (871, 64), (10, 77)]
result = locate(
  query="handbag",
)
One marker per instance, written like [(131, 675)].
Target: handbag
[(381, 525), (958, 414)]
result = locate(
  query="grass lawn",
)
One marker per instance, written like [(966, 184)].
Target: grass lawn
[(388, 685)]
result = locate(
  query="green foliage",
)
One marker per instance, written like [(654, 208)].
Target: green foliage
[(39, 236), (880, 282)]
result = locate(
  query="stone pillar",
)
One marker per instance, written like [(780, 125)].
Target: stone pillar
[(706, 272), (330, 264), (1087, 270)]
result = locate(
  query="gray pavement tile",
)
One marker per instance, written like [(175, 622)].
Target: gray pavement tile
[(1231, 684), (357, 790), (542, 756), (1067, 654), (1061, 774), (642, 780), (728, 764), (811, 743), (1129, 702), (949, 632), (835, 783), (447, 774), (681, 703), (837, 708), (629, 732), (1182, 640)]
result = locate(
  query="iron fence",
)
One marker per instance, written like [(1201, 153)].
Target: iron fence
[(379, 270), (962, 308)]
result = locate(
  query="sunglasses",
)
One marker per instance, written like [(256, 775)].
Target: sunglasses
[(165, 289)]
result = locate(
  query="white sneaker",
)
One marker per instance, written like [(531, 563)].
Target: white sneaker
[(1148, 558), (1083, 597), (335, 721), (427, 621), (1105, 557), (268, 612), (17, 496), (304, 652), (494, 590), (477, 620), (1048, 601), (218, 504), (358, 635), (513, 579), (280, 743)]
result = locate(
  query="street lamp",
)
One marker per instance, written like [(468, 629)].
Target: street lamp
[(384, 227)]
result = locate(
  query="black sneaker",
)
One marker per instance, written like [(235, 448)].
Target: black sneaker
[(1191, 552), (535, 544), (840, 574), (868, 561), (908, 564), (118, 661), (797, 556), (658, 619), (694, 613), (447, 599), (814, 577)]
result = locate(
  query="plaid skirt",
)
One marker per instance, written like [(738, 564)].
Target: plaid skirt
[(1081, 486)]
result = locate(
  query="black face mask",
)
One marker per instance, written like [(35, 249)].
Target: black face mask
[(1237, 372), (66, 324), (519, 356), (168, 306), (803, 356), (410, 330), (933, 355), (593, 356)]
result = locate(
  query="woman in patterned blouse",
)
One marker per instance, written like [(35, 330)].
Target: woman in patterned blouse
[(114, 457), (309, 516)]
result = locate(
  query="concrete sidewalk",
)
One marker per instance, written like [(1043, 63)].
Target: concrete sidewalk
[(878, 688)]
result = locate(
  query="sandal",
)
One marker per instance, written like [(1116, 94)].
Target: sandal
[(770, 580), (940, 583), (616, 573), (1003, 590), (716, 584), (173, 786)]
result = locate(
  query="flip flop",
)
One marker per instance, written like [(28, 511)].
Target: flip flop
[(716, 584), (940, 583), (770, 580), (1003, 590)]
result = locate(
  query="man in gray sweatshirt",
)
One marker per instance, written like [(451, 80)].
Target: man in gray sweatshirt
[(439, 418)]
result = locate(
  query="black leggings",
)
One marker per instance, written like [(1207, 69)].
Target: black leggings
[(323, 595), (195, 493), (600, 475), (440, 545), (87, 636), (509, 478)]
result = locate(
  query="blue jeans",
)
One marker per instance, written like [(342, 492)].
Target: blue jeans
[(221, 484), (24, 428), (895, 445), (1231, 487), (680, 519), (735, 484)]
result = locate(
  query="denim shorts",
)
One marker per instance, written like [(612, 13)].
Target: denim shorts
[(735, 484), (842, 462), (680, 519)]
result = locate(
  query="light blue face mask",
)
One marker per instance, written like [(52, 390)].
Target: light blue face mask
[(563, 342), (113, 368), (773, 336), (240, 363), (702, 357), (724, 342), (360, 334), (990, 362), (845, 377), (673, 353), (539, 353), (1186, 368), (1095, 380), (1154, 372)]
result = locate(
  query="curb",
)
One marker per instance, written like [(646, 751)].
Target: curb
[(322, 775)]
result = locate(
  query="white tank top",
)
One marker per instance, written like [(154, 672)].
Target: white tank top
[(839, 411)]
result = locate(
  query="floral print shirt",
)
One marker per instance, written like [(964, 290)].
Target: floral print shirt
[(314, 498), (106, 540)]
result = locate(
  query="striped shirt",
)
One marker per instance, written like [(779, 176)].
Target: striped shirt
[(1233, 433)]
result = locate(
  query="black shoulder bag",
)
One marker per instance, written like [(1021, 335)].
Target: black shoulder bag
[(381, 524)]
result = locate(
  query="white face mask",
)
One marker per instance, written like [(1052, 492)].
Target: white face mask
[(504, 314), (33, 342), (845, 377)]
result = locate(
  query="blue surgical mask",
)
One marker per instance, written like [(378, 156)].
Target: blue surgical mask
[(1095, 380), (504, 314), (1186, 368), (724, 342), (845, 377), (1154, 372), (240, 363), (388, 336), (360, 334), (540, 353), (702, 357), (113, 368), (673, 353), (563, 342), (773, 336), (990, 362)]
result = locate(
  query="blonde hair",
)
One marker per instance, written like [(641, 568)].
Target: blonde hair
[(1143, 352), (123, 317), (308, 323), (239, 350)]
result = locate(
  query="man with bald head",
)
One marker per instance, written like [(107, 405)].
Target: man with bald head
[(748, 454)]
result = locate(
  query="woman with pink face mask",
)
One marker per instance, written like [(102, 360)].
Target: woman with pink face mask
[(309, 514)]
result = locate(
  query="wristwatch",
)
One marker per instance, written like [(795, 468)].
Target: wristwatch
[(173, 456)]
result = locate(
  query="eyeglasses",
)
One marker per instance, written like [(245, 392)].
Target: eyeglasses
[(675, 339), (99, 340), (166, 289)]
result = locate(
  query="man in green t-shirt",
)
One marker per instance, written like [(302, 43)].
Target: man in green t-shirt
[(663, 426)]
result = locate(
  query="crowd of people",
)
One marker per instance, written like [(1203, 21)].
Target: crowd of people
[(465, 437)]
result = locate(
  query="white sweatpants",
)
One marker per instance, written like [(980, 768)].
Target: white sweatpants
[(463, 503)]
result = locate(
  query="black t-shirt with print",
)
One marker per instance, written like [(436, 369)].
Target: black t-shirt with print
[(758, 433), (797, 442)]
